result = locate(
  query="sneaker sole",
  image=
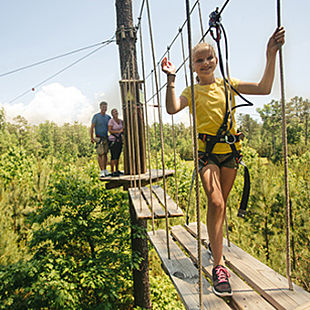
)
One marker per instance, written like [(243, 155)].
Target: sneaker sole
[(224, 294)]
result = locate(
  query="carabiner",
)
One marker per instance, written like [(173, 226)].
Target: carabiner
[(228, 141)]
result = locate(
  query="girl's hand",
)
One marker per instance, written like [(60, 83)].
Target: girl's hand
[(167, 66), (276, 41)]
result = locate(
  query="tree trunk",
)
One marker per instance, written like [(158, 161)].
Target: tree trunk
[(134, 149), (141, 275), (126, 39)]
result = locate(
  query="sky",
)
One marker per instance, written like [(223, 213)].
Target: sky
[(35, 30)]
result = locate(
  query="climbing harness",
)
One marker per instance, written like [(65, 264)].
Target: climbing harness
[(223, 134)]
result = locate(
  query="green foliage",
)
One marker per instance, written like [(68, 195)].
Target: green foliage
[(270, 137), (65, 242), (74, 250)]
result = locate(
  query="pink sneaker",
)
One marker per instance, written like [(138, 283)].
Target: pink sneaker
[(221, 285)]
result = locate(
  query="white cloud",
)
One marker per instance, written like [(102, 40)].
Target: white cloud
[(54, 103)]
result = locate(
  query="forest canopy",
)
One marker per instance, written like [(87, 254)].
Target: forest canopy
[(65, 240)]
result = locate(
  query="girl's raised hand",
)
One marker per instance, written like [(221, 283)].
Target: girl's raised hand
[(276, 41), (167, 66)]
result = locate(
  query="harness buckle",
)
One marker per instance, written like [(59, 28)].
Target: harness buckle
[(239, 159)]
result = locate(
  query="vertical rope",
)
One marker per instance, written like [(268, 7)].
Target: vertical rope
[(184, 58), (195, 152), (147, 131), (154, 116), (186, 83), (136, 128), (160, 126), (174, 154), (200, 20), (132, 134), (129, 142), (227, 231), (284, 142)]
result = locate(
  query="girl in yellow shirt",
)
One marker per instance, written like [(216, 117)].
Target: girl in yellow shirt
[(217, 179)]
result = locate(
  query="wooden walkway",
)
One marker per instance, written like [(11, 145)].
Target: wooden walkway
[(255, 285), (141, 201), (126, 180)]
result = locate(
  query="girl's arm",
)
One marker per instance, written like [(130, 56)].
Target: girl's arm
[(265, 84), (173, 104)]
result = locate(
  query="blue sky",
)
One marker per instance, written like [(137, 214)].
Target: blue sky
[(34, 30)]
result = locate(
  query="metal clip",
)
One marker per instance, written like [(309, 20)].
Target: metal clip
[(228, 141)]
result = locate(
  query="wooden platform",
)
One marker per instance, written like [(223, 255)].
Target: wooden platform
[(244, 297), (127, 180), (141, 201), (255, 285), (184, 275), (272, 286)]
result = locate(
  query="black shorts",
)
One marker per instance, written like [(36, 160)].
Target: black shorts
[(221, 160), (116, 149)]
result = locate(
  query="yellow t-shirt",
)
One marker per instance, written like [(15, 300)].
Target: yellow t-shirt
[(210, 105)]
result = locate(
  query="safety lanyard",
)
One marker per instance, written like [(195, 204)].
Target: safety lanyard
[(215, 23)]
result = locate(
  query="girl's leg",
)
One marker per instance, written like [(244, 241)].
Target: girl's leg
[(228, 176), (116, 164), (217, 184), (211, 181)]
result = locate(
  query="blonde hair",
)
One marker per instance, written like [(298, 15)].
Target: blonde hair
[(201, 46)]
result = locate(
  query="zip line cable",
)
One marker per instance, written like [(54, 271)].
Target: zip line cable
[(55, 57), (175, 38), (60, 71), (187, 58)]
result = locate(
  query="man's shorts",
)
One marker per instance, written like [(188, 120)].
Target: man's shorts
[(219, 160), (102, 145)]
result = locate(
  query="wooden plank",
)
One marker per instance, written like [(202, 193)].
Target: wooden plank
[(159, 212), (173, 209), (155, 174), (244, 297), (140, 206), (192, 228), (270, 284), (127, 180), (305, 306), (184, 275)]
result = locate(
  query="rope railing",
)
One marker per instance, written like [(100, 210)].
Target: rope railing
[(156, 93), (154, 122), (147, 131), (174, 154), (175, 38), (124, 88), (160, 126), (285, 152), (132, 142), (196, 167)]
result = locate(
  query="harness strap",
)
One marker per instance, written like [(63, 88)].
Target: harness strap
[(246, 191), (212, 140)]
